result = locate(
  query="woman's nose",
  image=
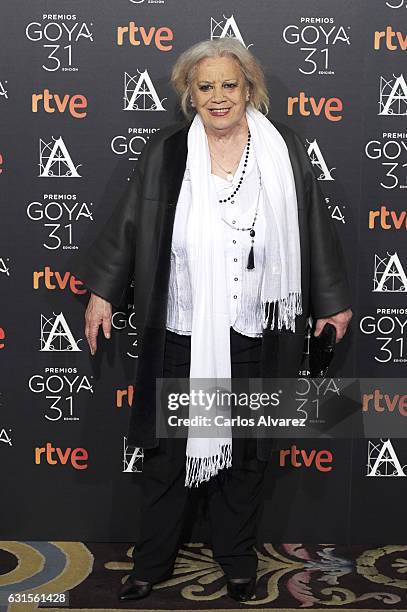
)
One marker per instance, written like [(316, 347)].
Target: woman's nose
[(218, 94)]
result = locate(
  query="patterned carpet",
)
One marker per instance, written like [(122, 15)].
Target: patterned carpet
[(290, 577)]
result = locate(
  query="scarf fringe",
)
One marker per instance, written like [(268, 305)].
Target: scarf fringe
[(199, 469), (288, 308)]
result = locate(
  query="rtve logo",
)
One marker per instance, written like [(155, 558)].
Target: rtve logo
[(55, 455), (2, 337), (390, 403), (300, 458), (387, 219), (136, 35), (121, 394), (393, 41), (54, 280), (331, 107), (51, 102)]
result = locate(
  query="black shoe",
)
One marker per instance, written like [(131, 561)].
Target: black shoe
[(241, 591), (132, 590)]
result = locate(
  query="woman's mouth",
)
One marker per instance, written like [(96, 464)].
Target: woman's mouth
[(219, 112)]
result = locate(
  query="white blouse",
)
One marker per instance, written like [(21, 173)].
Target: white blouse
[(243, 285)]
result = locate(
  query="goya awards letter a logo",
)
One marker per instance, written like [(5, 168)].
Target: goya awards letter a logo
[(393, 96), (389, 274), (318, 160), (383, 461), (133, 457), (56, 335), (140, 93), (226, 27), (55, 160)]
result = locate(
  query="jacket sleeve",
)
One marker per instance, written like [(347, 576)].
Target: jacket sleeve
[(105, 266), (329, 285)]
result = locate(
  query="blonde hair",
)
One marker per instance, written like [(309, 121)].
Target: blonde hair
[(184, 71)]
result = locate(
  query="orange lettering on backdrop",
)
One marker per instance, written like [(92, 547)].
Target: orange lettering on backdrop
[(121, 31), (326, 457), (79, 454), (163, 34), (61, 104), (76, 102), (301, 458), (122, 393), (377, 37), (388, 35), (308, 459), (402, 41), (37, 454), (75, 284), (2, 337), (391, 402), (63, 456), (62, 282), (317, 107), (159, 35), (398, 221), (50, 101), (333, 105), (147, 37), (328, 105), (75, 455)]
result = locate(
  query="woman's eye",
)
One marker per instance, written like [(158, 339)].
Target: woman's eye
[(227, 85)]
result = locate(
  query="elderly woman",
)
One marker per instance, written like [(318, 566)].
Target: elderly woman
[(224, 228)]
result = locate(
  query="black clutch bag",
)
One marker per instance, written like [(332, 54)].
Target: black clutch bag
[(321, 350)]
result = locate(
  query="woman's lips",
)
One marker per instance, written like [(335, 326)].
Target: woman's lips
[(219, 112)]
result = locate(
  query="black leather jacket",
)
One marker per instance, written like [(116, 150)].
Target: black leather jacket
[(136, 240)]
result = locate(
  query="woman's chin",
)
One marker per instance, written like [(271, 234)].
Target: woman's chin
[(219, 123)]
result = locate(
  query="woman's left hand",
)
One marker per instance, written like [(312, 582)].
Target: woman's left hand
[(340, 320)]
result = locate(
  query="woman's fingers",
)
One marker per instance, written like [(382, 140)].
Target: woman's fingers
[(98, 312), (91, 335), (319, 326), (340, 321), (107, 323)]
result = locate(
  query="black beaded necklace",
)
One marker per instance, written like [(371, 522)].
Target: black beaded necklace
[(232, 195), (252, 233)]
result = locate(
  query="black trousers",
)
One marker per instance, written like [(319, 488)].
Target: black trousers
[(234, 496)]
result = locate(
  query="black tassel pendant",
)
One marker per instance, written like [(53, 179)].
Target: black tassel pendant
[(250, 261)]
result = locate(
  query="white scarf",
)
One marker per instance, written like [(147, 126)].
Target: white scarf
[(210, 367)]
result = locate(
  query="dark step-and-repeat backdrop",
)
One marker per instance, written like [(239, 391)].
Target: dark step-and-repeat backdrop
[(83, 86)]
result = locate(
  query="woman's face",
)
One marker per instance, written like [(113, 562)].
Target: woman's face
[(219, 92)]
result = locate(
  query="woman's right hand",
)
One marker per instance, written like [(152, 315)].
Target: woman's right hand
[(98, 312)]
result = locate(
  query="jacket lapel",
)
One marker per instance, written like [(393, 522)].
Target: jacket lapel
[(163, 180), (174, 162)]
